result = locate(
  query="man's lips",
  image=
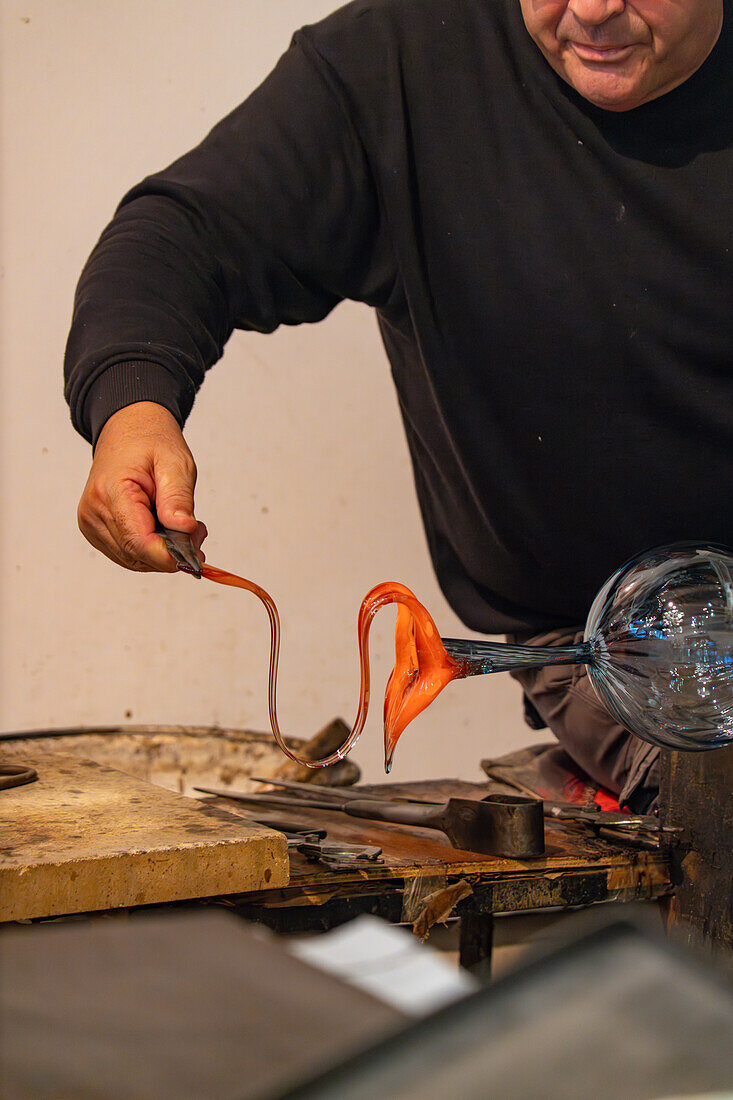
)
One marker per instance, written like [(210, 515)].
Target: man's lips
[(601, 54)]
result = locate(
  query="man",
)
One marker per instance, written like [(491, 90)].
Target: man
[(535, 197)]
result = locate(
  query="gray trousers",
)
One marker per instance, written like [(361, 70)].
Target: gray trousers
[(563, 698)]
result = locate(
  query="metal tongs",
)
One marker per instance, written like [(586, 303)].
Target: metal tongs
[(180, 548)]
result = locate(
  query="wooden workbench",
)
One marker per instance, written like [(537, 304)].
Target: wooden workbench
[(89, 838), (577, 870)]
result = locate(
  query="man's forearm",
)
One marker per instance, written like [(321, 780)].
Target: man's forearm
[(149, 317)]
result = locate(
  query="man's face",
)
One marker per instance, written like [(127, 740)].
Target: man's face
[(621, 53)]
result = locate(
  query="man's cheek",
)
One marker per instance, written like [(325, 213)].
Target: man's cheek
[(543, 16)]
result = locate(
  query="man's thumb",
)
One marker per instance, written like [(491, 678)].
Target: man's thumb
[(174, 503)]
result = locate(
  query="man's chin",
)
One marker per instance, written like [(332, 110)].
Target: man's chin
[(603, 87)]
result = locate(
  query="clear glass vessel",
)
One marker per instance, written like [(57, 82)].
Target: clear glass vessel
[(661, 631), (658, 644)]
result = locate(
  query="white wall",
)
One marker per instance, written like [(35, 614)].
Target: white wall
[(304, 479)]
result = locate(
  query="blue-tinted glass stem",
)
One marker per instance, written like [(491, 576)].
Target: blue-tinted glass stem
[(478, 658)]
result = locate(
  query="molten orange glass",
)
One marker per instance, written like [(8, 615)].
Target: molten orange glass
[(422, 666)]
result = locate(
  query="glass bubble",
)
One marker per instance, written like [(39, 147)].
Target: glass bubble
[(660, 633)]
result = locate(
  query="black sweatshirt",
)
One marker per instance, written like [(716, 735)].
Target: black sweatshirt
[(553, 284)]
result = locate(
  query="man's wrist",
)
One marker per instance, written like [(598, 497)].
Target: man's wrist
[(127, 383)]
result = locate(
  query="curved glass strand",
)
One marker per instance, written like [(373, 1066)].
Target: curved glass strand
[(420, 651)]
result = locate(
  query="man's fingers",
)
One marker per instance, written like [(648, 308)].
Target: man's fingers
[(134, 529), (142, 466), (98, 536), (92, 526), (105, 545), (128, 522), (123, 529)]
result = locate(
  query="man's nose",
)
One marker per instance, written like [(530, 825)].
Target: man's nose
[(595, 12)]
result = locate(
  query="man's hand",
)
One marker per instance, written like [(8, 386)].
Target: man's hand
[(141, 461)]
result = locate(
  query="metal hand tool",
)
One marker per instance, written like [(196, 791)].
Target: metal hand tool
[(300, 836), (295, 837), (181, 549), (284, 826), (501, 825), (337, 794), (589, 813), (592, 814), (310, 842), (636, 830), (336, 855)]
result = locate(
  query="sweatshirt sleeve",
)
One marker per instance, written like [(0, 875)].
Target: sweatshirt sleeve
[(273, 219)]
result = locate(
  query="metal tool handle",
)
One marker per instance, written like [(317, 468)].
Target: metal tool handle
[(267, 799), (407, 813), (398, 813), (310, 791), (294, 828)]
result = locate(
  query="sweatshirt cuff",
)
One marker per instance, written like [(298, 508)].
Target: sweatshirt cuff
[(126, 383)]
